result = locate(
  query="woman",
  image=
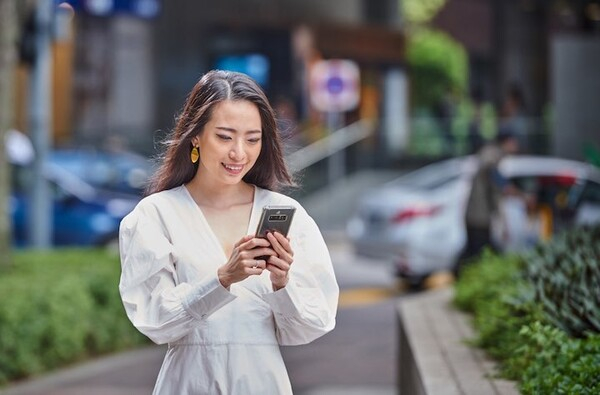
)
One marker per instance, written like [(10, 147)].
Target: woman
[(192, 272)]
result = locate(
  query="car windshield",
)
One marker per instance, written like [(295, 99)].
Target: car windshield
[(432, 176), (591, 193), (122, 171)]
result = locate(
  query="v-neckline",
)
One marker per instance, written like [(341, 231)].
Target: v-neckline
[(211, 232)]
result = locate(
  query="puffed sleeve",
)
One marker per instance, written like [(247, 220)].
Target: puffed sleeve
[(306, 307), (156, 303)]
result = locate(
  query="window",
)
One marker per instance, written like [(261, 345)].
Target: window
[(591, 193)]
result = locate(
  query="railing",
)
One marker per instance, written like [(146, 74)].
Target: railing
[(330, 145), (328, 159)]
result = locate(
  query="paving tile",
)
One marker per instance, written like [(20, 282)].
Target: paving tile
[(437, 334)]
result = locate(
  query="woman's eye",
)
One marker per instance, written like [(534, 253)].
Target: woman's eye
[(223, 137), (254, 141)]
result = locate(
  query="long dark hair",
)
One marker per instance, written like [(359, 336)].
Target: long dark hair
[(269, 171)]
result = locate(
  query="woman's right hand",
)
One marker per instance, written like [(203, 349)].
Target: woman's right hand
[(244, 261)]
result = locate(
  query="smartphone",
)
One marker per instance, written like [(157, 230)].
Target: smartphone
[(275, 219)]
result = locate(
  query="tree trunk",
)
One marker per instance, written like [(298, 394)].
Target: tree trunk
[(8, 63)]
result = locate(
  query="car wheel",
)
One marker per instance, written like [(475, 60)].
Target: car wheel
[(411, 283), (415, 283)]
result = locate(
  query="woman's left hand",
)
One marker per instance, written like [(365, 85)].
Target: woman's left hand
[(279, 265)]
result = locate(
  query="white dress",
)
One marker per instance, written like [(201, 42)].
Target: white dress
[(220, 341)]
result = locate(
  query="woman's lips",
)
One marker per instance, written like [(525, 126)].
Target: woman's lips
[(233, 169)]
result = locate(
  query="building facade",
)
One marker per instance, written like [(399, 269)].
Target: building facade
[(132, 75)]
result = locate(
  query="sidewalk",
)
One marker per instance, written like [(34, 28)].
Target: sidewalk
[(434, 357), (127, 373), (132, 373)]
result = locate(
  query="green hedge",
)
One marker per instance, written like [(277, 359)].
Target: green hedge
[(518, 328), (566, 279), (59, 307)]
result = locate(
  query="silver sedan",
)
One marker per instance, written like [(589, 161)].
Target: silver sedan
[(416, 222)]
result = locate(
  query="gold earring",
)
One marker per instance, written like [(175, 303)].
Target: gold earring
[(194, 155)]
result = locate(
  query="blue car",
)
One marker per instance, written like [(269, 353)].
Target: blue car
[(91, 192), (117, 171)]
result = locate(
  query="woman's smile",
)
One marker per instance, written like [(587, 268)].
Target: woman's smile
[(233, 169)]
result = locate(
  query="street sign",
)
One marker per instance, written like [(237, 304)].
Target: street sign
[(335, 85)]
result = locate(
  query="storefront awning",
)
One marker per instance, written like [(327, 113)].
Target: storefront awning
[(365, 44)]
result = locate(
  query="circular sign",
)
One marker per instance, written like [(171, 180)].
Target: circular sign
[(335, 85)]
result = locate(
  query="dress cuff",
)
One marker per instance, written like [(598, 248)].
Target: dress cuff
[(284, 300), (206, 297)]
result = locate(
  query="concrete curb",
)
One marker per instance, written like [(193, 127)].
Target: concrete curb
[(433, 356)]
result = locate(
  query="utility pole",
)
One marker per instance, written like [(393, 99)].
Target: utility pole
[(8, 63), (40, 121)]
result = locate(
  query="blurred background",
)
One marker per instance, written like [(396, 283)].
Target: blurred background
[(426, 80), (121, 68), (365, 91)]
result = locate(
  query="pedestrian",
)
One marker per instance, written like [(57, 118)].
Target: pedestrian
[(193, 274), (513, 119), (475, 138), (483, 204)]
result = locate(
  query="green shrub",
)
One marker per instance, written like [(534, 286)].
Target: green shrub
[(482, 281), (58, 307), (557, 363), (566, 279), (495, 291), (522, 308)]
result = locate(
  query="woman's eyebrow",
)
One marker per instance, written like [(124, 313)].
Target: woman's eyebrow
[(232, 130), (226, 129)]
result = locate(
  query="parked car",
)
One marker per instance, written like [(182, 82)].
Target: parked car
[(416, 222), (119, 171), (91, 192)]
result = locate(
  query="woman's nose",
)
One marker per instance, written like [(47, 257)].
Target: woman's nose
[(237, 152)]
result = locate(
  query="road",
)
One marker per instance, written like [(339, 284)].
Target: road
[(360, 353)]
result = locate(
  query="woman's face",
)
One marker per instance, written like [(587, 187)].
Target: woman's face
[(230, 142)]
